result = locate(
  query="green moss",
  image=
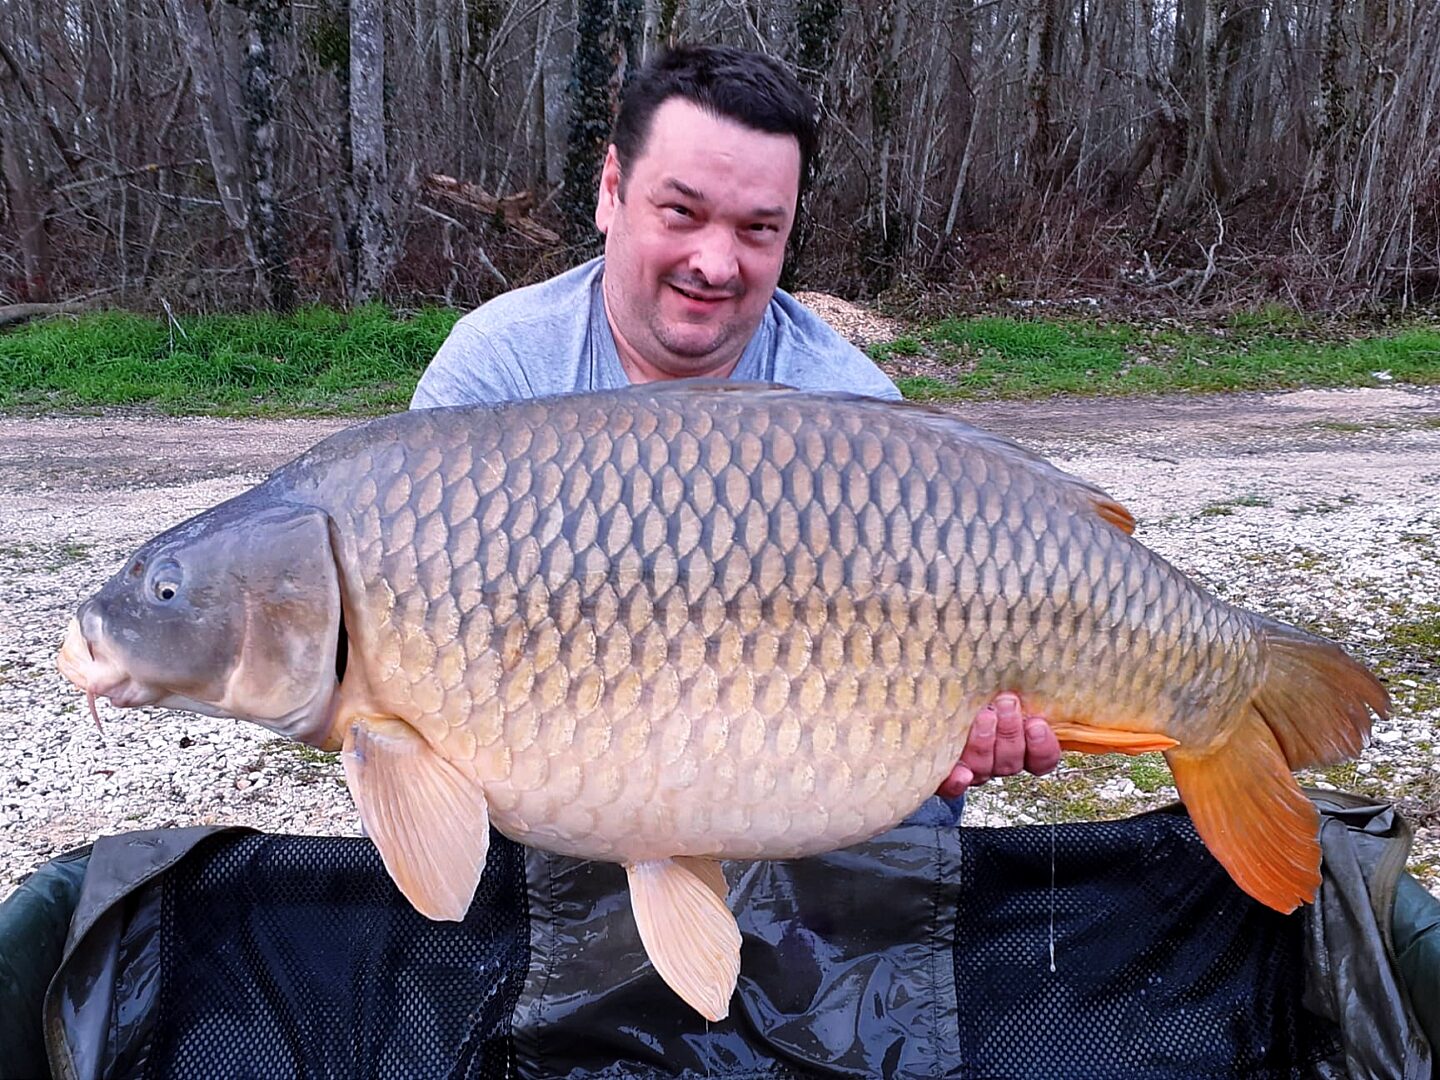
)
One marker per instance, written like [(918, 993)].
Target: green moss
[(307, 754), (1149, 773), (1226, 507), (1324, 506)]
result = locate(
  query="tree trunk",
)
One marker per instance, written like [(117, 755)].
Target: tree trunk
[(19, 169), (263, 23), (650, 42), (593, 84), (1039, 144), (1201, 173), (369, 170), (26, 207), (960, 106), (888, 33), (217, 115)]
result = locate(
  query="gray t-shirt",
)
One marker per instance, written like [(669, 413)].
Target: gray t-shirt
[(554, 338)]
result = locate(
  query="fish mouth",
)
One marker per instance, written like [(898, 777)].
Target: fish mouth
[(92, 670)]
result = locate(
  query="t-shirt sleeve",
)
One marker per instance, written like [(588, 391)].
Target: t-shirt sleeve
[(469, 369), (811, 355), (860, 375)]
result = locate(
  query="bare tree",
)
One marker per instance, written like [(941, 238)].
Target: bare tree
[(229, 152), (20, 167), (369, 171), (216, 112), (265, 18)]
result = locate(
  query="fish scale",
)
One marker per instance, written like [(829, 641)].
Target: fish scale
[(702, 547), (675, 624)]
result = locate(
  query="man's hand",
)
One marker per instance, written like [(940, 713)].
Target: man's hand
[(1003, 740)]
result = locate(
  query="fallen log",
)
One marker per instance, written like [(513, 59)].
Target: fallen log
[(15, 314), (513, 210)]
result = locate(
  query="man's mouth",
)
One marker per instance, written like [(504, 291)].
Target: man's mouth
[(700, 296)]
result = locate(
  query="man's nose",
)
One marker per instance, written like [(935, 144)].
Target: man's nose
[(714, 258)]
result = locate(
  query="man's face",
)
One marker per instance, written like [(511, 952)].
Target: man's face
[(693, 252)]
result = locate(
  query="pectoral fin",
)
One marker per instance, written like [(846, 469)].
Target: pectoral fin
[(1097, 740), (689, 934), (428, 819)]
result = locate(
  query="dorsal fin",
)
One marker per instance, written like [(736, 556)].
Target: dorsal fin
[(1115, 514), (709, 385)]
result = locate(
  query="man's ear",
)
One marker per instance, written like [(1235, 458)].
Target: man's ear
[(609, 198)]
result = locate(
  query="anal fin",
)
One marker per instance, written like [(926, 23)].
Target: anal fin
[(429, 821), (689, 934), (1097, 740), (1252, 815)]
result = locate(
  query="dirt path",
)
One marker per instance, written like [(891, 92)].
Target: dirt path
[(1322, 507)]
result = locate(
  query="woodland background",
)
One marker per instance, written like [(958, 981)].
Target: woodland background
[(237, 154)]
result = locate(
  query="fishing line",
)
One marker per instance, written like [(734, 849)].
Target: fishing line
[(1052, 889)]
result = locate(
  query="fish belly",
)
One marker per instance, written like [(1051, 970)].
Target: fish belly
[(772, 787)]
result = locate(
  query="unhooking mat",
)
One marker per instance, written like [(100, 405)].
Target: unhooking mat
[(1113, 949)]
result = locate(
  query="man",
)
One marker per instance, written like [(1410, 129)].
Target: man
[(698, 195)]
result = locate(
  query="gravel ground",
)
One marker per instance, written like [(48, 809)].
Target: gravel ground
[(1319, 507)]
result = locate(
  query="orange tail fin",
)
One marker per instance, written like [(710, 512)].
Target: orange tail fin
[(1312, 707), (1314, 698)]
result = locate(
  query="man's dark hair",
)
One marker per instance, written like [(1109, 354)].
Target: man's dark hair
[(746, 87)]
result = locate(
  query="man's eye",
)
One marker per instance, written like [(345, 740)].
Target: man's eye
[(681, 211)]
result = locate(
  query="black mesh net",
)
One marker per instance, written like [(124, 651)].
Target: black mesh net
[(276, 956), (1163, 969), (296, 957)]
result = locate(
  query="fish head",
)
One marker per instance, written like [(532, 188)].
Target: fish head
[(234, 613)]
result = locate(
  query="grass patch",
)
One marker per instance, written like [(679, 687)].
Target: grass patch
[(314, 361), (319, 360), (50, 558), (1420, 634), (1408, 659), (304, 753), (1071, 793), (1226, 507), (1149, 773), (1007, 358), (1271, 317), (1324, 506)]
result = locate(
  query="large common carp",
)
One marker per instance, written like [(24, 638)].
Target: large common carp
[(682, 623)]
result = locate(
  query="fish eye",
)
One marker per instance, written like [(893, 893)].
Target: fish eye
[(166, 578)]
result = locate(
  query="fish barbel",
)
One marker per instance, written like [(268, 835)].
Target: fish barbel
[(681, 623)]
